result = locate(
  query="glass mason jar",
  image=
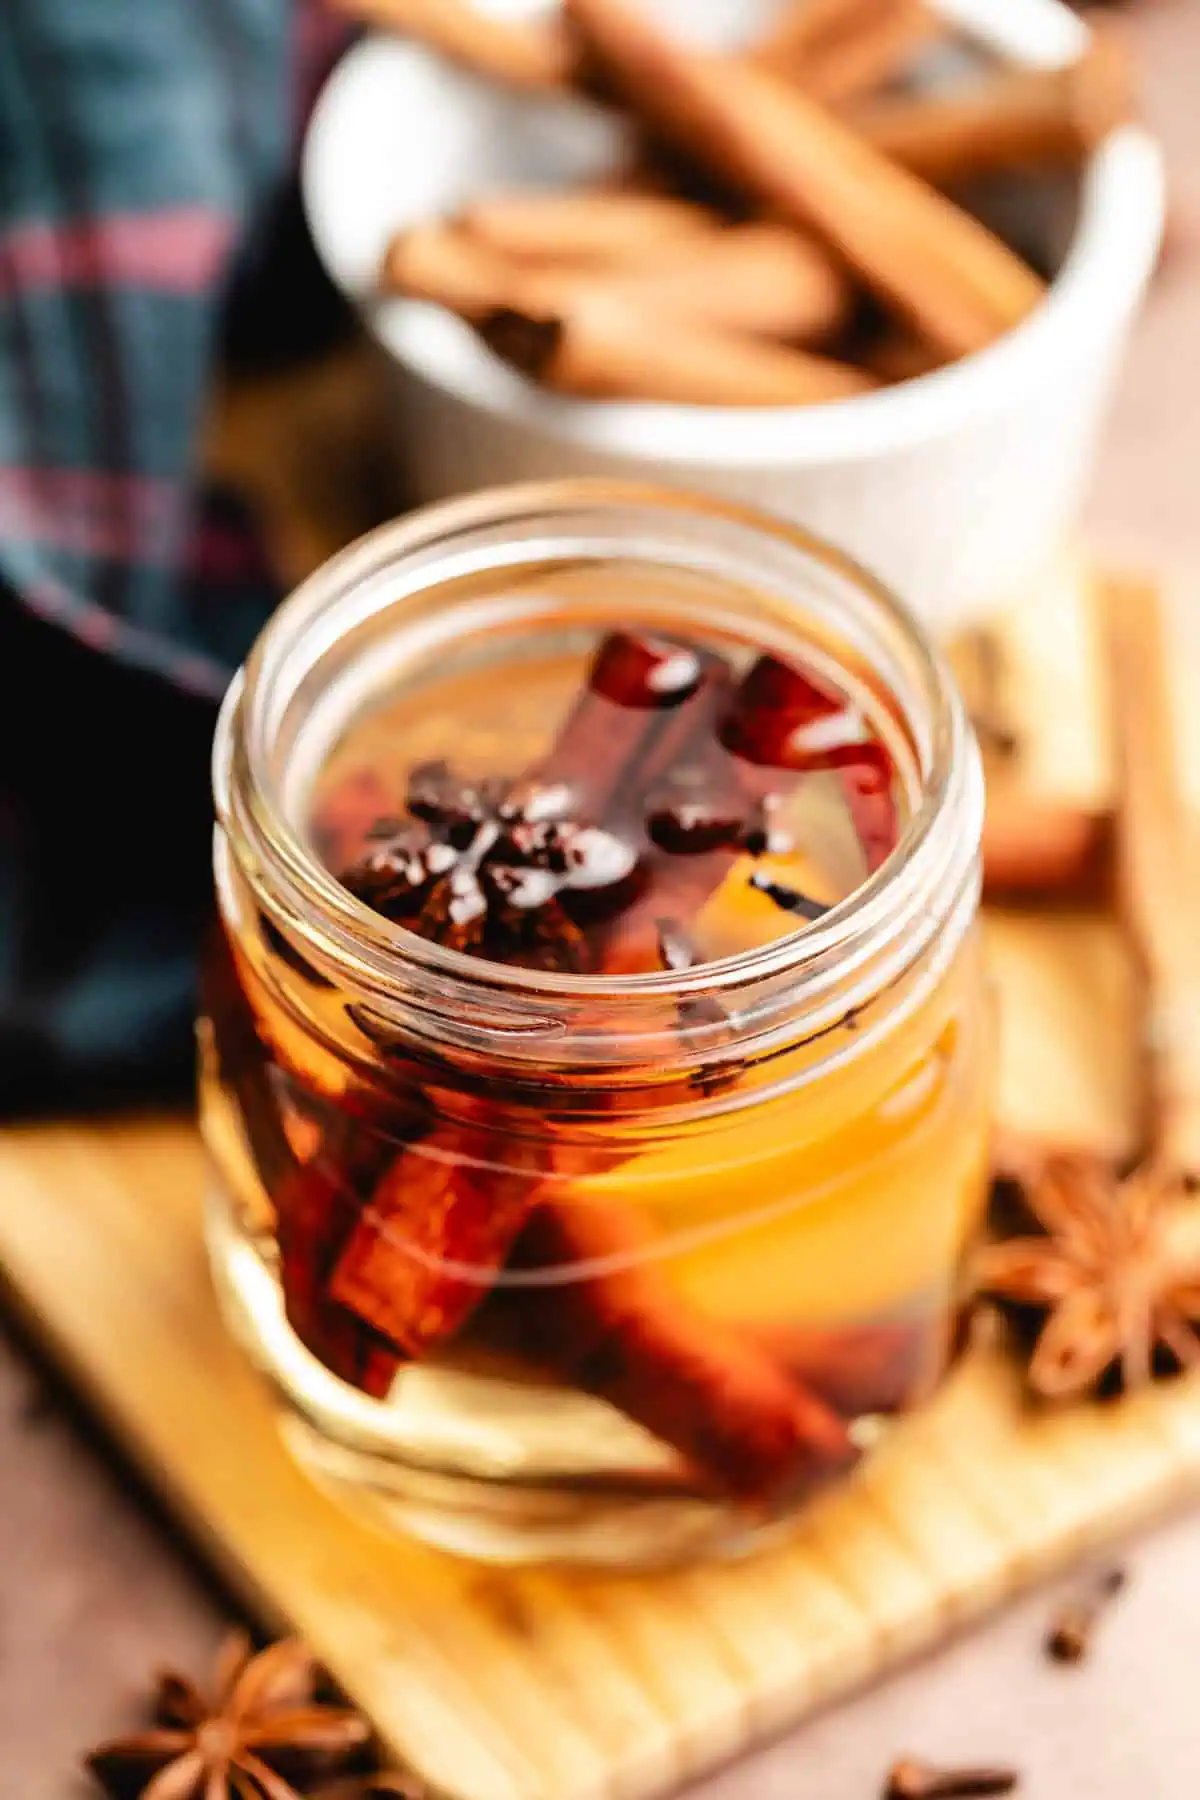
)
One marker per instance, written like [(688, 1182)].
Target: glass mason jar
[(539, 1264)]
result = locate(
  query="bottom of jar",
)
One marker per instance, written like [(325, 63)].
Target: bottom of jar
[(521, 1525), (482, 1467)]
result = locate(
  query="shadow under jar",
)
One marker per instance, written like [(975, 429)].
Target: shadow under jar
[(594, 1052)]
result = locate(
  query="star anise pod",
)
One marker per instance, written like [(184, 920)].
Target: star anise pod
[(378, 1784), (1111, 1281), (259, 1730), (495, 868)]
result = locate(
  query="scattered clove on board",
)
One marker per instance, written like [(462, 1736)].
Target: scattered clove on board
[(1069, 1638), (910, 1779)]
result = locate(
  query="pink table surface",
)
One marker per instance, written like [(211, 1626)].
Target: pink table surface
[(95, 1589)]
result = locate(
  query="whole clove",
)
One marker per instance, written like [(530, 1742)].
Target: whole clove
[(909, 1779), (788, 899), (1069, 1638)]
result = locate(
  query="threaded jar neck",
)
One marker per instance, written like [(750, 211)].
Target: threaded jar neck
[(414, 588)]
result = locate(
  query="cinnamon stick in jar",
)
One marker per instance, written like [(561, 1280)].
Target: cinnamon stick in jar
[(605, 349), (523, 53), (1019, 118), (954, 280), (760, 275), (620, 1331)]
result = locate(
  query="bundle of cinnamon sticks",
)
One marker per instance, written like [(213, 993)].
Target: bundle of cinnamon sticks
[(791, 229)]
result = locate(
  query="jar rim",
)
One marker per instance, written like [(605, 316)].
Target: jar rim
[(934, 857)]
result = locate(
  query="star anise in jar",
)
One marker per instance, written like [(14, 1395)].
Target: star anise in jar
[(260, 1730), (495, 868), (1108, 1285)]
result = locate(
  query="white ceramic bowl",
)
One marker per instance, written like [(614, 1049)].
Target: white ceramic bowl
[(954, 487)]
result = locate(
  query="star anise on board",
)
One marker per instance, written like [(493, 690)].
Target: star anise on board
[(259, 1730), (1109, 1282), (378, 1784), (494, 867)]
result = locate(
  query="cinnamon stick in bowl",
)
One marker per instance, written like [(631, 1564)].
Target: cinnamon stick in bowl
[(1015, 119), (583, 224), (605, 349), (446, 267), (952, 278), (523, 53), (839, 49), (762, 278), (759, 279)]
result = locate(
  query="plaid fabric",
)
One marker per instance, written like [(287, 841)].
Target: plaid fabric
[(139, 139)]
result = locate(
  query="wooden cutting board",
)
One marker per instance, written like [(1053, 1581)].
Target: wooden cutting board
[(548, 1686)]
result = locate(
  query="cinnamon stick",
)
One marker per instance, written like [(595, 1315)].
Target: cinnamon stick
[(445, 266), (859, 1369), (429, 1240), (771, 725), (579, 225), (1157, 862), (898, 354), (605, 348), (941, 269), (839, 49), (618, 1329), (1016, 119), (1036, 850), (523, 53), (612, 745), (757, 750), (802, 29), (762, 279), (317, 1200)]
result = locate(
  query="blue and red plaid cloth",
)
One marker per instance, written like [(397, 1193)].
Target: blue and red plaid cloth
[(140, 143)]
